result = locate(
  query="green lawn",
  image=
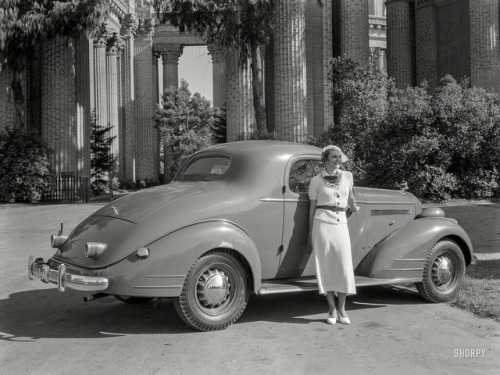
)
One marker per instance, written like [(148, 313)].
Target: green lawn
[(480, 292)]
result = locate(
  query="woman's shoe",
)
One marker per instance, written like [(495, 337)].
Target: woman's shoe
[(344, 320), (331, 319)]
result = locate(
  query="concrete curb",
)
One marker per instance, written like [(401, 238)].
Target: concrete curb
[(485, 257)]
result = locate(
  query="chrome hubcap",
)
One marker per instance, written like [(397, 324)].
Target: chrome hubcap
[(443, 271), (213, 288)]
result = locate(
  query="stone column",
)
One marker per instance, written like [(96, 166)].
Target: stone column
[(112, 47), (354, 29), (84, 100), (240, 116), (145, 133), (381, 60), (100, 81), (219, 74), (327, 14), (170, 53), (400, 56), (290, 71), (129, 28), (485, 43), (426, 63), (121, 132), (59, 128)]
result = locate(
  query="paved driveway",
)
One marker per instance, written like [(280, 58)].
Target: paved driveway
[(393, 331)]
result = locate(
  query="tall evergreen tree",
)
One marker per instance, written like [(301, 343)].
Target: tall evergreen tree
[(102, 161)]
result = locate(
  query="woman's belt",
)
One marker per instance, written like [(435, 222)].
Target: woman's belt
[(332, 208)]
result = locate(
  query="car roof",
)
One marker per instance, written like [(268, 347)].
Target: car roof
[(265, 148)]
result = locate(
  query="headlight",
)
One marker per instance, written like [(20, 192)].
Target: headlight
[(56, 241), (94, 249)]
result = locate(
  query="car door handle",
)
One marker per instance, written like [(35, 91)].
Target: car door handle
[(391, 222)]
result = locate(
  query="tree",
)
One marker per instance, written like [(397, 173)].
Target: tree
[(102, 161), (244, 25), (25, 23), (185, 122)]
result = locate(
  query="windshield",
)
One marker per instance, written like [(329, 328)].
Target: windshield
[(204, 169)]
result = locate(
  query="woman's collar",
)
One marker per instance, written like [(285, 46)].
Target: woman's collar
[(325, 173)]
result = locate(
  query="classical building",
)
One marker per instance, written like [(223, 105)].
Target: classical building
[(119, 73), (428, 39)]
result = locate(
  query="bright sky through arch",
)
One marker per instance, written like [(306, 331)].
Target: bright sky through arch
[(195, 66)]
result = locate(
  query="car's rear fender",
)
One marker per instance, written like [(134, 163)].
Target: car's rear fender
[(162, 274), (403, 253)]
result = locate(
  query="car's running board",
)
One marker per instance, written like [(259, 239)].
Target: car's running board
[(310, 284)]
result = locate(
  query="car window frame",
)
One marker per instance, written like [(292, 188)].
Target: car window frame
[(196, 157), (291, 161)]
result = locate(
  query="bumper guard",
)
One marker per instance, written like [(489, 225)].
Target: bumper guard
[(38, 268)]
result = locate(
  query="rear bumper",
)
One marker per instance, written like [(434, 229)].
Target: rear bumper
[(63, 278)]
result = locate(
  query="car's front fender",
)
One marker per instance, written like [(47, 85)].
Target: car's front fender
[(162, 274), (403, 253)]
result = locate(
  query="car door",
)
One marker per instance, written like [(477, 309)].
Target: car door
[(296, 257)]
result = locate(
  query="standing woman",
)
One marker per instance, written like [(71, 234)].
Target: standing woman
[(330, 195)]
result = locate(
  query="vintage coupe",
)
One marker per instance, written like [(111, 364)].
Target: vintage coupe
[(234, 221)]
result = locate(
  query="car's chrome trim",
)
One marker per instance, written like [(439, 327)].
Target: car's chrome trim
[(410, 260), (156, 286), (163, 276), (389, 212), (392, 203), (64, 278), (271, 199), (405, 269)]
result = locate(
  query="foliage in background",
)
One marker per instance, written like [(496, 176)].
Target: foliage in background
[(185, 122), (24, 166), (219, 127), (25, 23), (102, 161), (242, 25), (437, 144)]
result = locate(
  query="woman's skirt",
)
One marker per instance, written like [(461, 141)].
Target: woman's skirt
[(333, 257)]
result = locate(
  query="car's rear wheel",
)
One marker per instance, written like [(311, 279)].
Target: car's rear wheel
[(214, 294), (133, 300), (443, 273)]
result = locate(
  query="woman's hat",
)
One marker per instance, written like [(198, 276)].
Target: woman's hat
[(343, 158)]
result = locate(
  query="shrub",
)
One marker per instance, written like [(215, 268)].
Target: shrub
[(439, 145), (24, 167)]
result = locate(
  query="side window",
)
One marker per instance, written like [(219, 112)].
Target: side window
[(301, 173)]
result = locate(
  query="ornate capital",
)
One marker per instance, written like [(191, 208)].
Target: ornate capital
[(419, 4), (114, 44), (146, 27), (170, 52), (101, 37), (218, 53), (129, 25)]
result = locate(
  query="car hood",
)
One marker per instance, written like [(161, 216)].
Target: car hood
[(384, 196)]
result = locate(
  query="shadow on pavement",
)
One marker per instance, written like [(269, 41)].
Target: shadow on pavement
[(297, 308), (46, 313)]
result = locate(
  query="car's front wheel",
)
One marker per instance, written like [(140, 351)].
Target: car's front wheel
[(214, 294), (443, 273)]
